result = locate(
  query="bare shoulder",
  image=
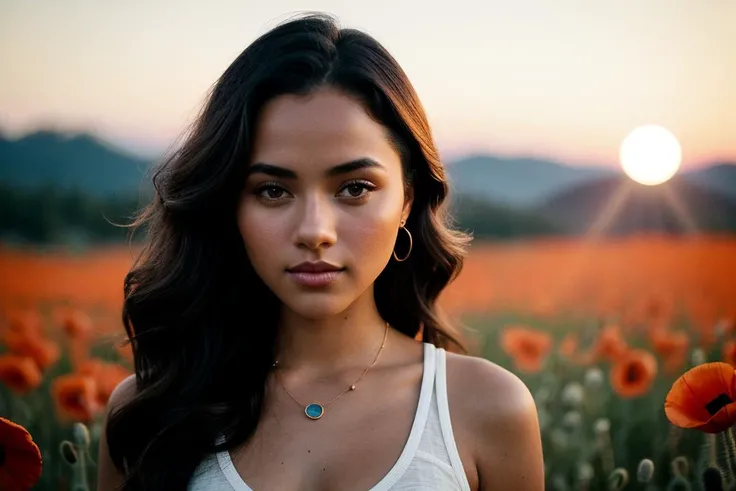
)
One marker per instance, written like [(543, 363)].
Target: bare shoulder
[(122, 393), (486, 389), (108, 476), (497, 418)]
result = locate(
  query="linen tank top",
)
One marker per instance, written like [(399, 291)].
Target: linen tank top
[(429, 460)]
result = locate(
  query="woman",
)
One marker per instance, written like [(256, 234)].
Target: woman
[(283, 316)]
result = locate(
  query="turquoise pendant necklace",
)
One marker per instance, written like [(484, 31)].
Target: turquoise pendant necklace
[(316, 410)]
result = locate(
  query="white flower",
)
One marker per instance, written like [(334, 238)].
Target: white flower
[(593, 378), (697, 357), (573, 394), (585, 472), (602, 426), (572, 419)]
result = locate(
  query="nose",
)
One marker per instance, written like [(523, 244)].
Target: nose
[(315, 226)]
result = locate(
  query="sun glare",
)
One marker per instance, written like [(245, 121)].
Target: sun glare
[(650, 155)]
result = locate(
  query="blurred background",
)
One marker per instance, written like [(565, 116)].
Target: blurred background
[(591, 149)]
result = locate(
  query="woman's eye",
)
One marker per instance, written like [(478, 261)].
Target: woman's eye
[(355, 189), (270, 192)]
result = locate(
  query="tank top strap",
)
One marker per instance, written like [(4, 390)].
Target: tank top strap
[(443, 407)]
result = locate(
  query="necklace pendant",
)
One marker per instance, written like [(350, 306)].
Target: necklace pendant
[(314, 411)]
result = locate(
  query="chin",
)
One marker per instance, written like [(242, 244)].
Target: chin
[(316, 306)]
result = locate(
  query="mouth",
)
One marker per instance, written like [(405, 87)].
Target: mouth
[(315, 274), (315, 267)]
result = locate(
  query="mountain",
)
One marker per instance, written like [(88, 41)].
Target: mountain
[(720, 177), (620, 206), (487, 220), (93, 166), (68, 161), (521, 182)]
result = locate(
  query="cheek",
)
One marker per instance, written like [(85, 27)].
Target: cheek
[(259, 232), (371, 238)]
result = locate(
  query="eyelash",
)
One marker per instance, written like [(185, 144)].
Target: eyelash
[(370, 187)]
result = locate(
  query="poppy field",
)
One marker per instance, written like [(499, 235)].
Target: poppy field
[(628, 347)]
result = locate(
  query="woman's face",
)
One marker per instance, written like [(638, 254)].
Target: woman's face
[(324, 184)]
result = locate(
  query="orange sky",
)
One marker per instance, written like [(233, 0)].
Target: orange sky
[(562, 79)]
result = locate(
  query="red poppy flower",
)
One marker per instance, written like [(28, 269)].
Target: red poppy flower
[(20, 459), (76, 398), (528, 347), (610, 344), (633, 374), (703, 398), (19, 373), (107, 376)]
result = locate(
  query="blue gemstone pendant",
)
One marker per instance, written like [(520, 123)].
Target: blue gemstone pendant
[(314, 411)]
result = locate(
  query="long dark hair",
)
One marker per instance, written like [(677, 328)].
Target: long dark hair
[(195, 311)]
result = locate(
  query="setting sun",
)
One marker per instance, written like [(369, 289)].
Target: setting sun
[(650, 155)]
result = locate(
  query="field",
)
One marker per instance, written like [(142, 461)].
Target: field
[(599, 331)]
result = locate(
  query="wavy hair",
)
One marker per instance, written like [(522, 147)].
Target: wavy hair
[(196, 312)]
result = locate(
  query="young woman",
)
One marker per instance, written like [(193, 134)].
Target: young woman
[(283, 316)]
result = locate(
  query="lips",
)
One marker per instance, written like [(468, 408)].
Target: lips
[(315, 267), (318, 274)]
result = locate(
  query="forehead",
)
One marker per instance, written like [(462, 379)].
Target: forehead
[(324, 128)]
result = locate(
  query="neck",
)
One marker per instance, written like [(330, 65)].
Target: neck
[(331, 344)]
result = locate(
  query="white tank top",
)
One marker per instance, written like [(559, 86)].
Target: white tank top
[(429, 461)]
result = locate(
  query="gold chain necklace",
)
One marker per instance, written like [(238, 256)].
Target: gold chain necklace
[(316, 410)]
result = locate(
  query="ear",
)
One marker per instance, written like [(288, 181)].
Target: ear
[(408, 202)]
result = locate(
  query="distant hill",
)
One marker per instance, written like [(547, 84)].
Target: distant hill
[(96, 167), (521, 182), (719, 177), (56, 187), (674, 207), (486, 220), (69, 161)]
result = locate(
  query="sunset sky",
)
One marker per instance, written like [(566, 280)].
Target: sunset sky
[(564, 79)]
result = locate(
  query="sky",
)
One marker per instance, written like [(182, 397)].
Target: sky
[(561, 79)]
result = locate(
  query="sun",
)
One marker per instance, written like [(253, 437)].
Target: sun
[(650, 155)]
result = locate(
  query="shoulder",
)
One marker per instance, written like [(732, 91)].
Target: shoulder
[(487, 381), (108, 476), (122, 393), (497, 413)]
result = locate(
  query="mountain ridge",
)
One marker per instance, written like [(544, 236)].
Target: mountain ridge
[(95, 165)]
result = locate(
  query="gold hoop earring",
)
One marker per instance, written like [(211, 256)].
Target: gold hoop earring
[(410, 247)]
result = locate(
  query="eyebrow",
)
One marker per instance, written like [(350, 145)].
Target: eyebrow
[(347, 167)]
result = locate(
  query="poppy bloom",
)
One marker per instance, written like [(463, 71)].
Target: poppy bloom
[(24, 321), (19, 373), (75, 323), (528, 347), (610, 344), (20, 459), (672, 346), (633, 374), (107, 376), (43, 351), (75, 396), (703, 398)]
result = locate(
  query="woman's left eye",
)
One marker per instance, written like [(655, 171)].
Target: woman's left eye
[(355, 189)]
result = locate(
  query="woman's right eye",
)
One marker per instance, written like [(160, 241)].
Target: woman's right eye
[(270, 191)]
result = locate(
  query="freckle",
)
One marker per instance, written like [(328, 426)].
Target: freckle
[(282, 463)]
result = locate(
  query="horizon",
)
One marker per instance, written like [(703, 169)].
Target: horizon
[(567, 81), (447, 159)]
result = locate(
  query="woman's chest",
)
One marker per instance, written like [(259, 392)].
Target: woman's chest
[(350, 447)]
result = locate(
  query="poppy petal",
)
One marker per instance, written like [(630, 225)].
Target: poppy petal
[(703, 398), (22, 464)]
